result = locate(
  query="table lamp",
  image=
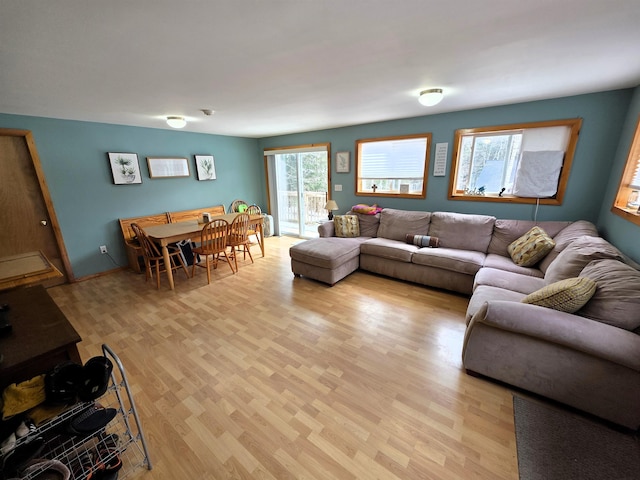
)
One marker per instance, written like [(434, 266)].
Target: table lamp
[(331, 205)]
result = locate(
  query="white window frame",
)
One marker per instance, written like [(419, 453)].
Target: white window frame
[(400, 162), (539, 132)]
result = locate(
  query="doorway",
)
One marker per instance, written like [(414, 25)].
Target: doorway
[(299, 177), (28, 220)]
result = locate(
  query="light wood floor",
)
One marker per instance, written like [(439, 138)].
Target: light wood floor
[(263, 375)]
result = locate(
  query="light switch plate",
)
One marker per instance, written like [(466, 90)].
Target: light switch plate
[(337, 188)]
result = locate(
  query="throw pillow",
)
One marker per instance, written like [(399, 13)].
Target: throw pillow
[(568, 295), (346, 226), (530, 248), (422, 240), (366, 209)]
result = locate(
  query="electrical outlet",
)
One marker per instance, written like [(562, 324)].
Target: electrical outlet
[(103, 249)]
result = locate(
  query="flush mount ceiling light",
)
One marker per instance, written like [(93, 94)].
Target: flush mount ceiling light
[(430, 97), (176, 122)]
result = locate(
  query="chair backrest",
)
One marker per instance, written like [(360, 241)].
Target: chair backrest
[(235, 204), (239, 230), (213, 237), (253, 210), (149, 249)]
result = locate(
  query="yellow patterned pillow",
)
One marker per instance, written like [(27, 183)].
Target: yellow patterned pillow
[(568, 295), (531, 247), (346, 226)]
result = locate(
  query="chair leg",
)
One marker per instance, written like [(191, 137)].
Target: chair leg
[(248, 250), (229, 262), (158, 274), (208, 270)]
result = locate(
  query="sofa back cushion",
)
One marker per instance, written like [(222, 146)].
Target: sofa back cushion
[(395, 224), (369, 224), (565, 237), (506, 232), (617, 297), (462, 231), (577, 255)]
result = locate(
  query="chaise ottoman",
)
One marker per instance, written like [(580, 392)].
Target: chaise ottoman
[(328, 259)]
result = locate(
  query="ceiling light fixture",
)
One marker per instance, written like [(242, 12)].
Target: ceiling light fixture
[(176, 122), (431, 97)]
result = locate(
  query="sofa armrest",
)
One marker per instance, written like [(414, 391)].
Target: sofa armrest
[(594, 338), (326, 229)]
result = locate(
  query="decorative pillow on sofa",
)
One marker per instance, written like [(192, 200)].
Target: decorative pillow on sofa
[(617, 300), (346, 226), (366, 209), (422, 240), (568, 295), (530, 248)]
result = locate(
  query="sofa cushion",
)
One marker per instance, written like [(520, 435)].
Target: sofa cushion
[(369, 224), (506, 231), (327, 252), (617, 297), (462, 231), (565, 237), (516, 282), (567, 295), (390, 249), (346, 226), (577, 255), (395, 224), (530, 248), (462, 261), (505, 263)]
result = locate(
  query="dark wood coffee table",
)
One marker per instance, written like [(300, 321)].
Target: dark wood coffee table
[(41, 336)]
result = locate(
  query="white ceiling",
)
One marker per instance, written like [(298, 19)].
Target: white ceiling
[(270, 67)]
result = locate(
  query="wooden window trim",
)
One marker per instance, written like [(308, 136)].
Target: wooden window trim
[(425, 176), (620, 203), (573, 123)]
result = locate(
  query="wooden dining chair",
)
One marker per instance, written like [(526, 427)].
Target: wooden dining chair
[(239, 237), (253, 230), (153, 259), (213, 243)]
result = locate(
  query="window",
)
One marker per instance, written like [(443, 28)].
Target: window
[(514, 163), (627, 203), (393, 166)]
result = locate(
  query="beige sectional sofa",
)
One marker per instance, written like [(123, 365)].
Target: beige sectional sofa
[(589, 359)]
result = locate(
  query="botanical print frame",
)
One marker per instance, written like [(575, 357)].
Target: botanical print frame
[(125, 168), (206, 167), (343, 163), (166, 167)]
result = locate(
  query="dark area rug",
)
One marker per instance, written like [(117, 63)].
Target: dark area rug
[(558, 444)]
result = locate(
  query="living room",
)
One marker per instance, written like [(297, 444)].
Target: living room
[(469, 415)]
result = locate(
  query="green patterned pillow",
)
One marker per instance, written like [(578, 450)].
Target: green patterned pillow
[(531, 247), (346, 226), (568, 295)]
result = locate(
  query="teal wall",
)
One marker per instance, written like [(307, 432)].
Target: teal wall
[(622, 233), (603, 115), (88, 204)]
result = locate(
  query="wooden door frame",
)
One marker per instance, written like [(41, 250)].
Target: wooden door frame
[(53, 219)]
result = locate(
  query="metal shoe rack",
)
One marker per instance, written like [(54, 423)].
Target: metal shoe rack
[(122, 437)]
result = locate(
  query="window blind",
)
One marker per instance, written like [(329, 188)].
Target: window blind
[(635, 181), (393, 158)]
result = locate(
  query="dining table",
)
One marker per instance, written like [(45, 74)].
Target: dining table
[(169, 233)]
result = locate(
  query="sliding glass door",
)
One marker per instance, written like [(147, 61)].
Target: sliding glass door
[(301, 186)]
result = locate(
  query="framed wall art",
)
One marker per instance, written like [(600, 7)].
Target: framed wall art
[(125, 168), (166, 167), (206, 167), (343, 163)]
